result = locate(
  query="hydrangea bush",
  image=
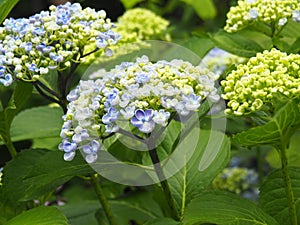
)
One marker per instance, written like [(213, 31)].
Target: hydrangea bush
[(157, 123)]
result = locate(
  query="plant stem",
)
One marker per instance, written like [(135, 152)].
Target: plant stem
[(164, 183), (259, 165), (102, 199), (288, 186), (11, 148)]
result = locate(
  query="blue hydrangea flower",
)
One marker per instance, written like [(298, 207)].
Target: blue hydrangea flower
[(143, 120)]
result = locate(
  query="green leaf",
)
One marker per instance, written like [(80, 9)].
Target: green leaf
[(245, 43), (292, 153), (40, 216), (38, 122), (278, 130), (163, 221), (35, 172), (5, 7), (128, 4), (196, 160), (209, 158), (20, 95), (225, 209), (138, 207), (205, 8), (8, 209), (272, 196), (198, 45)]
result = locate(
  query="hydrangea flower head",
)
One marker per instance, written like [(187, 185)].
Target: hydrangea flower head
[(238, 180), (268, 11), (141, 24), (252, 86), (54, 39), (141, 94)]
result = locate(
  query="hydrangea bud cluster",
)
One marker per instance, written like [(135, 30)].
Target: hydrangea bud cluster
[(253, 85), (141, 24), (30, 47), (217, 60), (138, 96), (135, 26), (269, 11), (236, 179)]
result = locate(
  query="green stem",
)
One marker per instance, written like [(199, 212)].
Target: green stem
[(102, 199), (11, 148), (164, 183), (259, 165), (288, 186)]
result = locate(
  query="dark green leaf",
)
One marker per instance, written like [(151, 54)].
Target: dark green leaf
[(138, 207), (35, 172), (39, 122), (21, 94), (245, 43), (225, 209), (204, 8), (5, 7), (9, 209), (278, 130), (40, 216), (273, 198)]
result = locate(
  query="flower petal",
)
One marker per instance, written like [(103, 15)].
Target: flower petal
[(136, 122), (91, 158), (69, 156), (139, 114), (147, 127), (148, 114)]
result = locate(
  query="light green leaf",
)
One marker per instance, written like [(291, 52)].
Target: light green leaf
[(209, 158), (128, 4), (35, 172), (40, 216), (197, 159), (225, 209), (245, 43), (205, 8), (38, 122), (272, 196), (277, 131), (20, 95), (292, 153), (5, 7), (198, 45)]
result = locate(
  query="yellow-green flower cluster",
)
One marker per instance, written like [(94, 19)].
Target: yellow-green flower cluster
[(269, 11), (253, 85), (236, 179), (141, 24)]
